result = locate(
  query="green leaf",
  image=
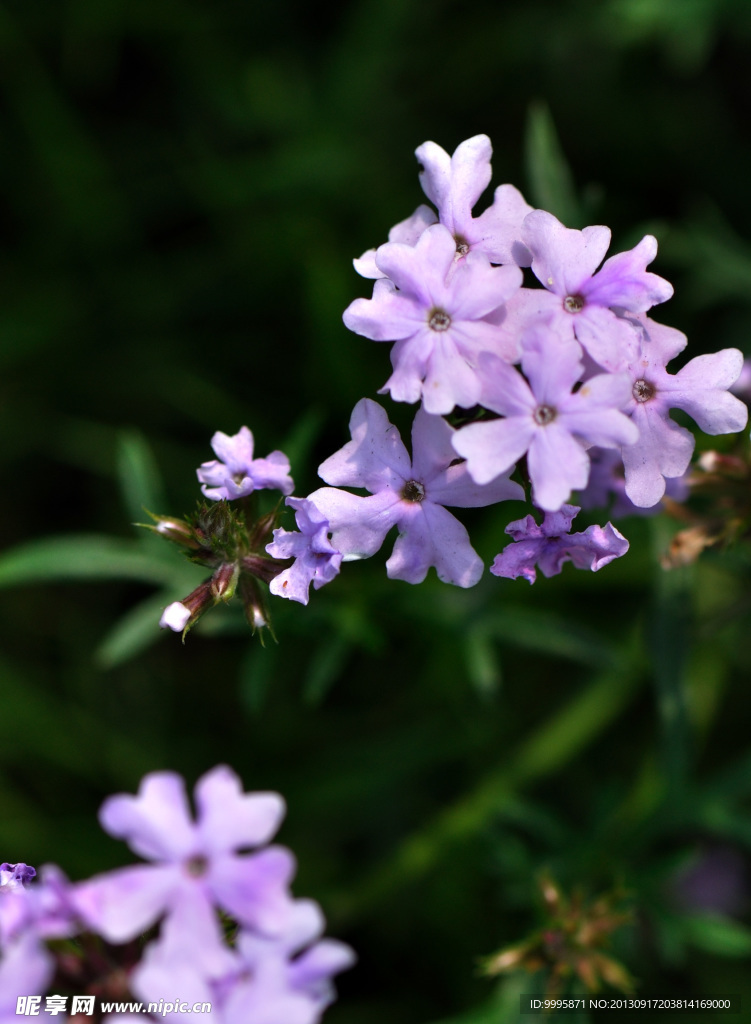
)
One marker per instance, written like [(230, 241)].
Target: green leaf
[(325, 666), (140, 480), (136, 630), (483, 664), (546, 633), (551, 184), (83, 557), (722, 936)]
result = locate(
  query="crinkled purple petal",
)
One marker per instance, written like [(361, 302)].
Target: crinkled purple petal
[(564, 259), (228, 818), (409, 359), (550, 546), (156, 824), (359, 524), (375, 458), (15, 876), (316, 560)]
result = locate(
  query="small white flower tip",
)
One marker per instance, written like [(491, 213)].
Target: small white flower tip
[(175, 616)]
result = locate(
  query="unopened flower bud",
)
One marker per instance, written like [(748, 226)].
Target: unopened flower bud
[(176, 530), (224, 581), (175, 616), (179, 615)]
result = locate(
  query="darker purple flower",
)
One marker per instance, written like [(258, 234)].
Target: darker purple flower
[(407, 493), (15, 876), (235, 473), (551, 544), (316, 560)]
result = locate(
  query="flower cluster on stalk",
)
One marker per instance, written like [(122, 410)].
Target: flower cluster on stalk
[(529, 353)]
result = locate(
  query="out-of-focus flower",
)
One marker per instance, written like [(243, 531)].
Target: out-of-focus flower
[(194, 862)]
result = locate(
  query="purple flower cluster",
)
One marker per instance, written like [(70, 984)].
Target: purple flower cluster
[(562, 379), (277, 970)]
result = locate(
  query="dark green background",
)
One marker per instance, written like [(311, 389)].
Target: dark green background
[(182, 188)]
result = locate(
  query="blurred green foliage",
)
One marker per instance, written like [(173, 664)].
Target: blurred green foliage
[(182, 188)]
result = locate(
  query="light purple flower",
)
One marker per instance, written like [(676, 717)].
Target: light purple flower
[(284, 979), (551, 544), (235, 473), (545, 418), (195, 862), (579, 300), (408, 494), (663, 448), (316, 560), (438, 317), (454, 184)]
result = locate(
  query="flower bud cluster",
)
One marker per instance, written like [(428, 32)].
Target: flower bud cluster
[(545, 360), (275, 967)]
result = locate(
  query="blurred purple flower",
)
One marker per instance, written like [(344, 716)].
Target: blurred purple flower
[(196, 863), (715, 882)]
